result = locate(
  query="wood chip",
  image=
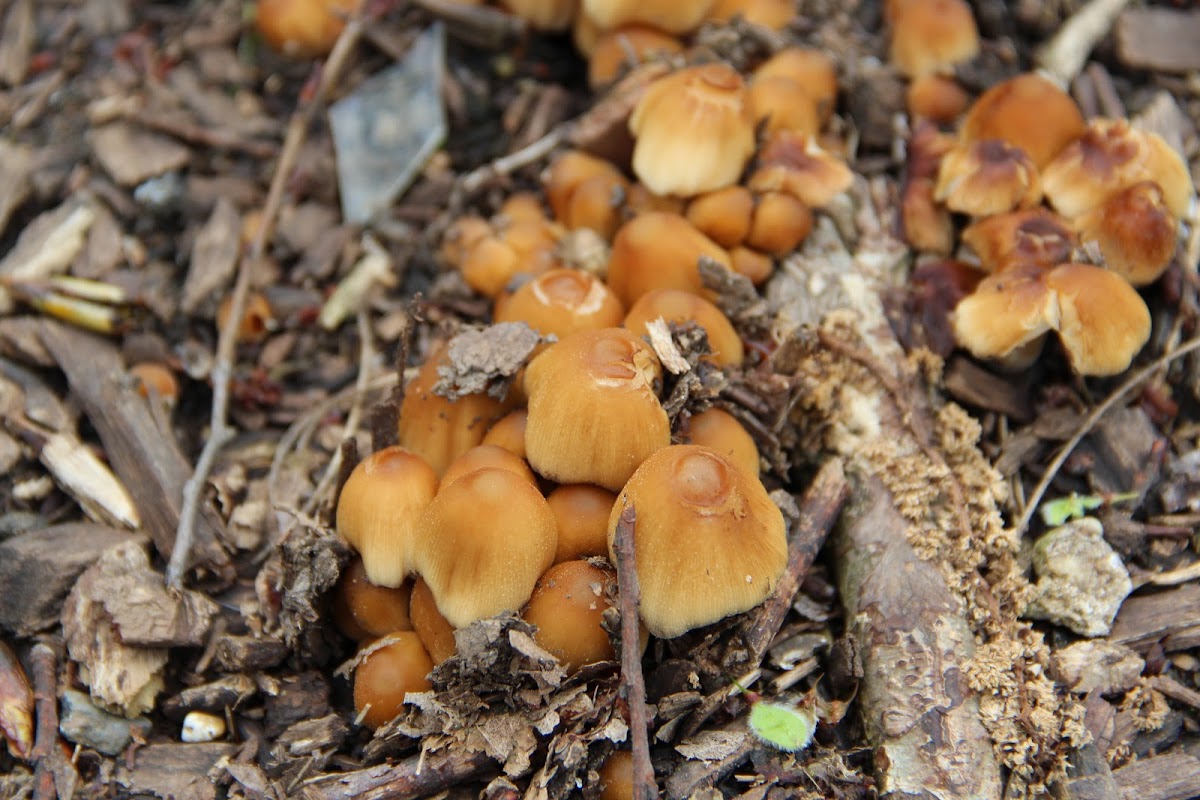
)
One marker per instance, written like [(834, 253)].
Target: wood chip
[(176, 771), (15, 165), (123, 678), (1156, 38), (147, 459), (37, 569), (16, 42), (249, 654), (131, 154), (1174, 776), (1172, 616), (214, 256)]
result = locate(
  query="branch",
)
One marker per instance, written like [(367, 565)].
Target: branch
[(644, 785)]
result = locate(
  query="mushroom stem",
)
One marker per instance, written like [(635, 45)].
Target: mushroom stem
[(644, 786)]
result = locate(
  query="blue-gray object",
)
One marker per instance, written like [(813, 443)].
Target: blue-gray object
[(388, 127)]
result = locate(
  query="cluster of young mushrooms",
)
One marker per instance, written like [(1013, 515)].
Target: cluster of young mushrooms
[(491, 505)]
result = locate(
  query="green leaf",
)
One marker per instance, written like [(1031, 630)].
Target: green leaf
[(1073, 506), (782, 726)]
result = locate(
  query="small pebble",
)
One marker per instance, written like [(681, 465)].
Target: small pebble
[(200, 726)]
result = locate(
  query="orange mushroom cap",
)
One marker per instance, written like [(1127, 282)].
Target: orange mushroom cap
[(1028, 112), (987, 177), (932, 36)]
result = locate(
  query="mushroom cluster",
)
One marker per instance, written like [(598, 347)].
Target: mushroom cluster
[(1066, 218), (488, 506)]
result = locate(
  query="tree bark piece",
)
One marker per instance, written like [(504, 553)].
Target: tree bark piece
[(912, 637), (418, 776), (145, 457)]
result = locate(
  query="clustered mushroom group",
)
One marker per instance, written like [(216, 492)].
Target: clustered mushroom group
[(1068, 217), (486, 505)]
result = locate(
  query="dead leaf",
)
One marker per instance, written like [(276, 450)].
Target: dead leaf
[(16, 704)]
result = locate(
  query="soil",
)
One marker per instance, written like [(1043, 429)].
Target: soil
[(162, 562)]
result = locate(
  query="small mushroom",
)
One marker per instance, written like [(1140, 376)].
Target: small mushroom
[(377, 508), (428, 623), (1135, 231), (581, 512), (717, 429), (567, 606), (560, 302), (486, 456), (627, 46), (708, 541), (658, 250), (302, 28), (799, 166), (388, 670), (931, 36), (987, 177), (675, 305), (673, 16), (811, 69), (363, 610), (723, 215), (1027, 112)]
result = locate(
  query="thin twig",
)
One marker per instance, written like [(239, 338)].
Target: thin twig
[(819, 509), (43, 665), (506, 165), (644, 785), (222, 374), (1035, 497), (366, 355)]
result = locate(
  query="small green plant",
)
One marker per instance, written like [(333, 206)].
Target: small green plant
[(784, 726), (1074, 505)]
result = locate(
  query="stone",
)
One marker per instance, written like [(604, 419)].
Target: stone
[(1081, 580)]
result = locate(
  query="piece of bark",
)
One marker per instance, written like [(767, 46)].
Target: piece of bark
[(1089, 778), (921, 717), (1173, 776), (145, 457), (131, 154), (173, 771), (1172, 617), (16, 163), (299, 697), (47, 245), (910, 630), (37, 569), (17, 39), (249, 653), (418, 776), (969, 383), (1122, 448), (313, 735), (214, 256), (225, 693), (123, 677), (1162, 39)]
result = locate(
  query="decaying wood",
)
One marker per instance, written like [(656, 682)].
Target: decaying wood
[(55, 775), (37, 569), (146, 457), (1159, 39), (1172, 776), (1171, 616), (909, 629), (16, 704), (418, 776), (912, 638)]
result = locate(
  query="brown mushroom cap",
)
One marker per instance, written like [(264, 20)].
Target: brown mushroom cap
[(797, 165), (1110, 156), (987, 177), (581, 512), (658, 250), (781, 103), (437, 428), (1104, 321), (627, 46), (931, 36), (544, 15), (616, 776), (363, 610), (509, 433), (936, 97), (812, 69), (756, 266), (1007, 311), (567, 606), (482, 543), (780, 224), (593, 412), (676, 305), (1028, 112), (562, 301), (723, 215), (389, 670), (1135, 231), (377, 507), (1035, 237), (708, 541), (672, 16), (717, 429), (490, 456), (302, 28), (693, 131), (773, 14)]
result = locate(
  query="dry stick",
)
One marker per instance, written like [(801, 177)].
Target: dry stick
[(222, 373), (334, 467), (819, 509), (644, 786), (1090, 422), (45, 692)]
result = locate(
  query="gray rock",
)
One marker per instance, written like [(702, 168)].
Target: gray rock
[(84, 723), (1081, 580)]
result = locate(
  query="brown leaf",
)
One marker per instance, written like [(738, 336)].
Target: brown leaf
[(16, 704)]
